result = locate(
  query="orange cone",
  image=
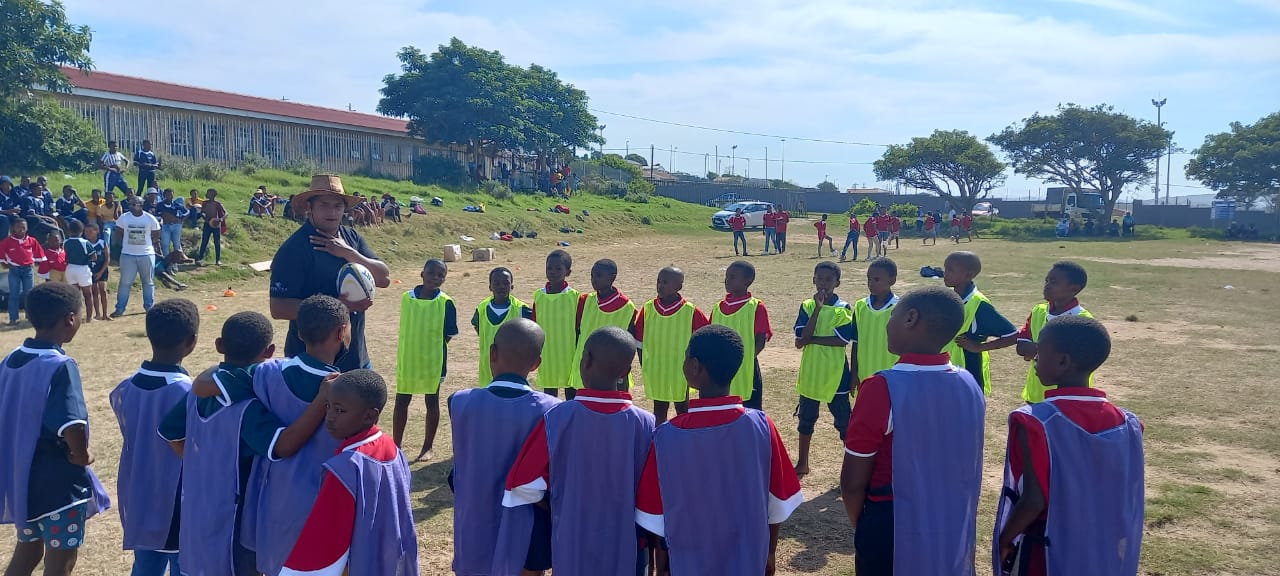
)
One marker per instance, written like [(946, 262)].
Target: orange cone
[(211, 307), (229, 293)]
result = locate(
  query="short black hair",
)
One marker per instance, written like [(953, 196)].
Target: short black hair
[(245, 335), (828, 266), (885, 263), (563, 256), (364, 384), (968, 260), (605, 265), (672, 270), (1080, 338), (319, 316), (719, 350), (171, 322), (1074, 272), (434, 263), (748, 270), (74, 226), (940, 309), (501, 270), (111, 143), (50, 302)]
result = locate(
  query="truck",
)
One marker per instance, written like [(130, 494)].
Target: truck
[(1073, 203)]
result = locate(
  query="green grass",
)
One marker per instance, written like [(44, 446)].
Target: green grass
[(250, 239)]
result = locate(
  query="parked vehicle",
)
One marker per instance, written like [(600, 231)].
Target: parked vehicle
[(724, 200), (1073, 203), (985, 209), (753, 211)]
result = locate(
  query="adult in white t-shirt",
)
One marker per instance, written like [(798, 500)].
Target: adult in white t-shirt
[(141, 240)]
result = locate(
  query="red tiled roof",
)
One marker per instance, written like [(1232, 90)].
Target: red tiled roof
[(129, 85)]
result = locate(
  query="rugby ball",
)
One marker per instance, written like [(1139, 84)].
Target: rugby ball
[(355, 283)]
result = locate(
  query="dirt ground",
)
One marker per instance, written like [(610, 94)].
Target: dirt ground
[(1195, 361)]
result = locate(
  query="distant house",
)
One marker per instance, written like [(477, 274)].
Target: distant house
[(867, 191), (202, 125)]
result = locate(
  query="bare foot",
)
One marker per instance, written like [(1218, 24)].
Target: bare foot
[(802, 469), (108, 318), (88, 319), (425, 455)]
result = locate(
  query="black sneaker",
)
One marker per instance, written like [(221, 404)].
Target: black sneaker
[(117, 314)]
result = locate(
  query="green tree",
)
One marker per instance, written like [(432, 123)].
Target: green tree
[(554, 113), (638, 159), (35, 41), (1244, 163), (38, 132), (953, 164), (826, 186), (712, 176), (1085, 148)]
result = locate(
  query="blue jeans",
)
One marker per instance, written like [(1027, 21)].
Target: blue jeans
[(768, 239), (21, 280), (170, 238), (739, 236), (107, 229), (151, 563), (850, 239), (132, 267)]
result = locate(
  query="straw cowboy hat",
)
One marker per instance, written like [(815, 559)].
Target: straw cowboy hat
[(323, 184)]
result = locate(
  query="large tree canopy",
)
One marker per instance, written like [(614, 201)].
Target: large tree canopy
[(953, 164), (1243, 163), (35, 40), (468, 95), (1084, 148)]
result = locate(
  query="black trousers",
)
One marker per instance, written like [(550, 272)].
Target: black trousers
[(873, 543)]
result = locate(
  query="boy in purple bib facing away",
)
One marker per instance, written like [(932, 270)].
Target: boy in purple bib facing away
[(718, 482), (46, 487), (489, 425), (280, 493), (1084, 449), (588, 453), (150, 478), (362, 521), (219, 438), (913, 452)]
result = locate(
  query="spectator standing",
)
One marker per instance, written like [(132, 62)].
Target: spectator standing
[(171, 212), (194, 205), (9, 205), (738, 223), (113, 164), (148, 163), (140, 234), (107, 213), (770, 225), (215, 224), (21, 254), (919, 220), (1127, 225)]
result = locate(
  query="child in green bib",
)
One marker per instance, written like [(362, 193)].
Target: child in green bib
[(870, 352), (823, 328), (746, 315), (1062, 285), (555, 309), (606, 306), (498, 309), (663, 328), (981, 320), (428, 321)]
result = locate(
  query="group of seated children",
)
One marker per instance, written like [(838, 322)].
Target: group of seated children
[(229, 474)]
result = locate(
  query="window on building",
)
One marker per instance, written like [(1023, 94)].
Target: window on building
[(244, 142), (180, 137), (354, 147), (271, 148), (133, 130), (393, 153), (312, 146), (375, 152), (213, 141), (332, 146)]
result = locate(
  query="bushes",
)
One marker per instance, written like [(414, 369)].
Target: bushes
[(210, 171), (40, 132), (903, 210), (441, 171), (864, 207), (301, 167), (1200, 232), (498, 190), (601, 186), (183, 169), (250, 163)]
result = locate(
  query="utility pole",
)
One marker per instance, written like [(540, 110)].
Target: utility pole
[(717, 159), (705, 157), (650, 161), (766, 163), (1168, 170), (784, 159), (1158, 104), (733, 152)]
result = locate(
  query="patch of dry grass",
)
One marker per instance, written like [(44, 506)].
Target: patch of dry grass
[(1198, 369)]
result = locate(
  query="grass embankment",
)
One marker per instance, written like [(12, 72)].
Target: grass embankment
[(251, 239)]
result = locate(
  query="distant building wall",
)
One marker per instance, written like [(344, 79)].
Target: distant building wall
[(815, 201), (1182, 216)]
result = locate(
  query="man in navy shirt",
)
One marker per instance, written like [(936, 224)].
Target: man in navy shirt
[(308, 263), (147, 163), (171, 213)]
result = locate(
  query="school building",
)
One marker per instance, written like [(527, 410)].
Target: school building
[(202, 125)]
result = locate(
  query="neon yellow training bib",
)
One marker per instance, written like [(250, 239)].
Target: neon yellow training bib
[(665, 340), (744, 323), (488, 330), (873, 337), (822, 367), (556, 314), (957, 353), (593, 319), (421, 347), (1033, 391)]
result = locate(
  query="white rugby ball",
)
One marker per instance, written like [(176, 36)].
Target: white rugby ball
[(355, 283)]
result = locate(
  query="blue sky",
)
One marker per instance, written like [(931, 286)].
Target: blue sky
[(872, 71)]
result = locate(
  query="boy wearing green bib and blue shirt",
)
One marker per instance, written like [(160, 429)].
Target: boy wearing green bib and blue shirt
[(555, 310), (746, 315), (428, 321), (1062, 284), (870, 352), (606, 306), (970, 350), (823, 328), (671, 321), (494, 311)]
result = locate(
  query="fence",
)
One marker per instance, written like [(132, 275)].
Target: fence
[(1183, 216)]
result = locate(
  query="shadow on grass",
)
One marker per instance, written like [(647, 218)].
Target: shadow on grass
[(432, 480), (822, 526)]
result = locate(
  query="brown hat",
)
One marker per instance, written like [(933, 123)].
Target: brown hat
[(322, 184)]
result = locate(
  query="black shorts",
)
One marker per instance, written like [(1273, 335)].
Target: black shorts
[(873, 542), (539, 557), (105, 276)]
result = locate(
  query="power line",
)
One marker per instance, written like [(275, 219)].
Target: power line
[(741, 132), (745, 158)]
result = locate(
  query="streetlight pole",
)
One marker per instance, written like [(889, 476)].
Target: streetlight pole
[(784, 159), (1158, 104), (732, 157), (766, 163)]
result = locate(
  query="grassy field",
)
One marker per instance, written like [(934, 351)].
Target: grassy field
[(1196, 363)]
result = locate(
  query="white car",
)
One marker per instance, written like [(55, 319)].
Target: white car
[(752, 210), (985, 209)]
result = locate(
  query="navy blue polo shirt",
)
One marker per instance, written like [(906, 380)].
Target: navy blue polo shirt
[(143, 159), (175, 208), (61, 483), (298, 270)]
